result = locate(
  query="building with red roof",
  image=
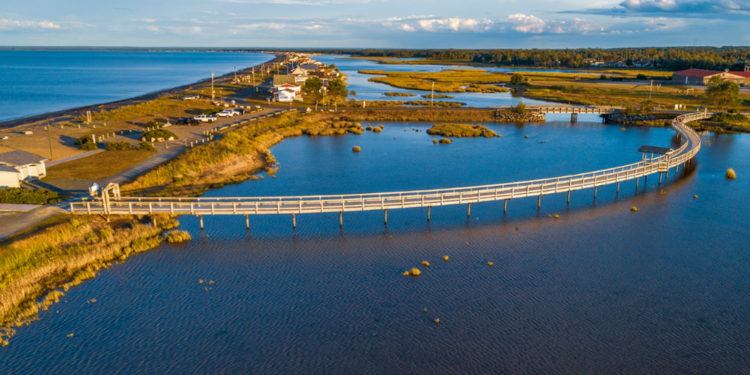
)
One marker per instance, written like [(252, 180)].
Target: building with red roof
[(701, 77)]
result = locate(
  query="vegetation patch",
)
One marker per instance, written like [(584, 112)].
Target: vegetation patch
[(158, 135), (460, 130), (87, 143), (392, 94), (438, 96), (356, 149), (129, 112), (454, 80), (178, 236), (28, 196), (731, 175), (98, 166)]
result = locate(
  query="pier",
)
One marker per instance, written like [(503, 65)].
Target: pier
[(113, 203)]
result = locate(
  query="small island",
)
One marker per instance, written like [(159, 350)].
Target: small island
[(461, 130)]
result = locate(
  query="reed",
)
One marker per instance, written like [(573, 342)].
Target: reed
[(178, 236)]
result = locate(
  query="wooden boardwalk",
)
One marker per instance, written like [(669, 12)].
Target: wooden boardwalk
[(291, 205), (564, 109)]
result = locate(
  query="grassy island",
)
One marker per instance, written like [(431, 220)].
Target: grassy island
[(461, 130)]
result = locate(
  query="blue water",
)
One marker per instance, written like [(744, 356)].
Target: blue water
[(370, 91), (37, 82), (601, 290)]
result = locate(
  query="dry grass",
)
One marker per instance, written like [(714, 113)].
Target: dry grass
[(460, 130), (178, 236), (445, 81), (98, 166), (731, 175)]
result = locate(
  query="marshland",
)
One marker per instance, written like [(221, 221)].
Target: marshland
[(278, 286)]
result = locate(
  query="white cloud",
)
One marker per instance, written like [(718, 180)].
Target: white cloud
[(526, 24), (407, 27), (454, 24), (297, 2), (23, 24), (152, 28), (686, 6), (148, 20)]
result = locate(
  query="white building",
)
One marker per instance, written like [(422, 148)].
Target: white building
[(17, 166)]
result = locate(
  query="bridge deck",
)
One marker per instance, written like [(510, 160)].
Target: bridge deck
[(398, 200)]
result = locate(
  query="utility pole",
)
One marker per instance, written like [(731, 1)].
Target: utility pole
[(649, 90), (51, 157), (235, 73), (212, 86)]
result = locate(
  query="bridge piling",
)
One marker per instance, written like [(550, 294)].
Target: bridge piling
[(596, 188), (386, 217), (636, 183), (201, 217), (539, 202), (341, 219), (428, 212), (568, 196), (468, 213), (660, 173), (618, 187), (505, 208), (247, 222), (294, 221)]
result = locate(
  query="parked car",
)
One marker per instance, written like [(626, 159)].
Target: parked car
[(191, 97), (205, 118), (226, 113), (239, 111), (187, 121)]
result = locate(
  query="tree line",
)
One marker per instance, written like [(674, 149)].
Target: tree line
[(669, 58)]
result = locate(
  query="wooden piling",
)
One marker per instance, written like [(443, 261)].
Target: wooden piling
[(636, 182), (660, 173), (386, 216), (341, 219), (428, 212), (568, 196), (618, 187), (294, 221), (201, 217), (505, 206), (596, 188), (468, 213), (247, 221), (539, 202)]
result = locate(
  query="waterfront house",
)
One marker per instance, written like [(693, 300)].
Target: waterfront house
[(701, 76), (17, 166), (286, 88)]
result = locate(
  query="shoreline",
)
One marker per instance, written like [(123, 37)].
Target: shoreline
[(65, 114)]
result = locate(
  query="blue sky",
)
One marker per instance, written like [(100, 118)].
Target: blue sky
[(375, 23)]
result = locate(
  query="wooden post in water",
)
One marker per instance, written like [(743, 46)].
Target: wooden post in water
[(539, 202), (505, 206), (660, 173), (201, 217), (386, 216), (468, 213), (247, 222), (595, 190), (618, 187), (153, 220), (568, 196), (294, 221), (428, 212), (341, 219), (636, 183)]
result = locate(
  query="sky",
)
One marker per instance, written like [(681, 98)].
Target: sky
[(375, 23)]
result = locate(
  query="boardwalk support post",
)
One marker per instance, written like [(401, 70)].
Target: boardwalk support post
[(201, 217), (386, 216), (568, 196), (294, 221), (247, 222), (428, 212), (636, 183), (505, 206), (618, 187), (595, 190), (539, 202), (341, 219), (468, 212)]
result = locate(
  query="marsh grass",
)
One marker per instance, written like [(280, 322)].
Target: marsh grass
[(147, 108), (461, 130), (62, 256), (178, 236), (731, 175), (98, 166), (356, 149)]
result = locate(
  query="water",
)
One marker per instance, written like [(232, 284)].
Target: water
[(374, 91), (37, 82), (600, 290)]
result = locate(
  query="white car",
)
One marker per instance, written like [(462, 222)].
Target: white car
[(191, 97), (205, 118), (226, 113)]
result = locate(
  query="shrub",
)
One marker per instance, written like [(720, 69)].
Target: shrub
[(641, 76), (445, 141), (90, 146), (158, 133), (730, 117), (603, 77), (516, 79), (87, 143), (178, 236), (377, 130), (521, 108), (356, 149), (154, 124), (145, 146), (118, 146), (730, 174), (28, 196)]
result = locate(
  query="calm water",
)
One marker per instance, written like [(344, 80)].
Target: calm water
[(601, 290), (374, 91), (36, 82)]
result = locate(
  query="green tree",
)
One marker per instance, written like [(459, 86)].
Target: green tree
[(516, 79), (521, 108), (337, 91), (312, 89), (723, 94)]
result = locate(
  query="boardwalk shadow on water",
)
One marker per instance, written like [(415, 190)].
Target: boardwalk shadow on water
[(598, 290)]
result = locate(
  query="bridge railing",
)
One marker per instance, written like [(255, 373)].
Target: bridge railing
[(402, 199)]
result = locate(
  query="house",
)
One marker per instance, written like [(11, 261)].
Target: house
[(300, 75), (593, 62), (286, 88), (617, 64), (17, 166), (309, 67), (643, 64), (701, 77)]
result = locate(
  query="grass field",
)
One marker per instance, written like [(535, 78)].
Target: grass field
[(445, 81), (98, 166)]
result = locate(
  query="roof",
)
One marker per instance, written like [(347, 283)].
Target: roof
[(309, 66), (299, 71), (5, 168), (281, 79), (655, 150), (742, 74), (697, 73), (20, 158)]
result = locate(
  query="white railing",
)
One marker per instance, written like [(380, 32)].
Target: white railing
[(402, 199)]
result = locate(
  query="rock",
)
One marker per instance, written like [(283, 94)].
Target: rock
[(634, 208), (425, 263), (490, 263), (445, 258), (415, 272), (730, 174)]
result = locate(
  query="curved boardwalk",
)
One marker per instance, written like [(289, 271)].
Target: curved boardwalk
[(403, 199)]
